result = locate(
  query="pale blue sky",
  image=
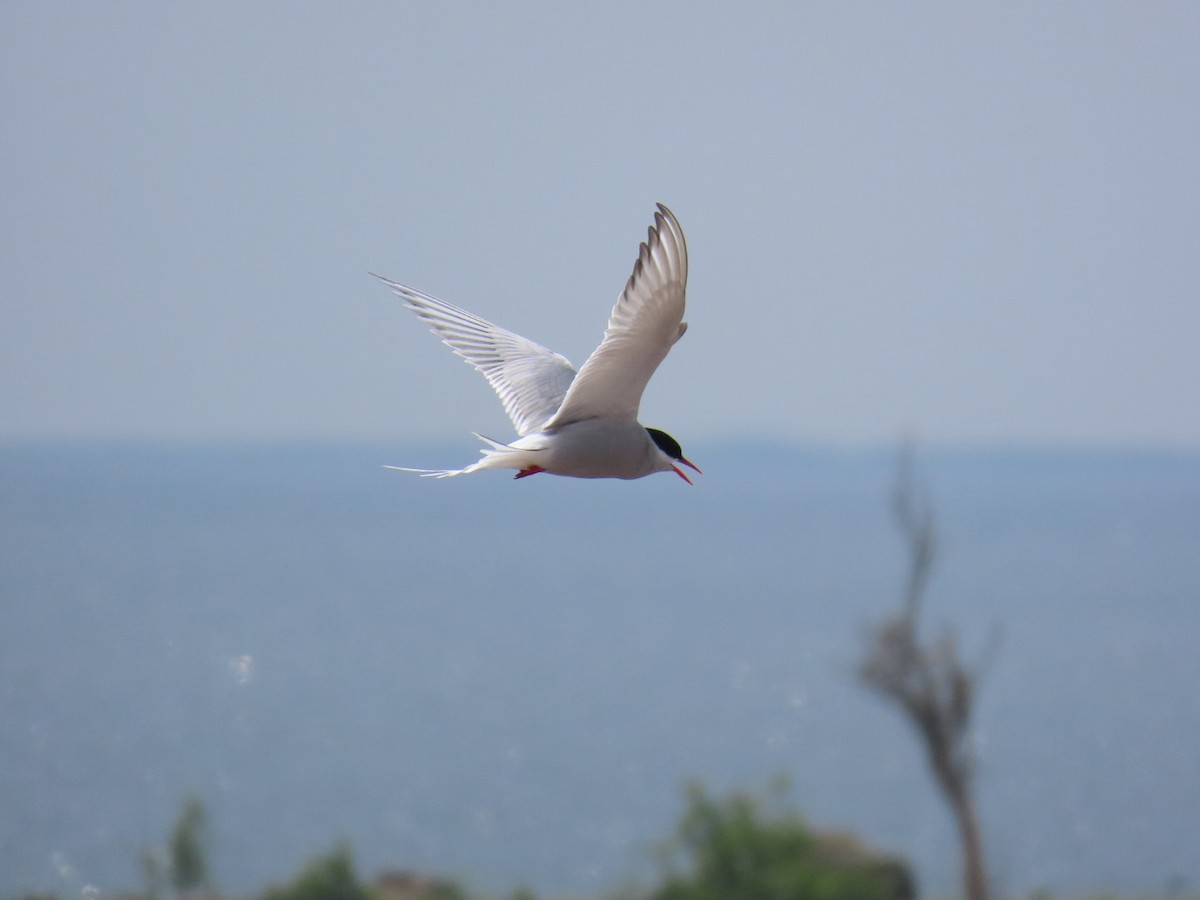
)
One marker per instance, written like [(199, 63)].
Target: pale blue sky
[(963, 222)]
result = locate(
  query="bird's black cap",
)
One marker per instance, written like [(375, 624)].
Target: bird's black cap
[(666, 443)]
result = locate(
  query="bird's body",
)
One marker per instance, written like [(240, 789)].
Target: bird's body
[(591, 448), (579, 424)]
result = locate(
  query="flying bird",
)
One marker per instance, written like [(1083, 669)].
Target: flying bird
[(582, 424)]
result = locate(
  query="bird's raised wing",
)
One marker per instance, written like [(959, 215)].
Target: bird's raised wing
[(530, 380), (644, 325)]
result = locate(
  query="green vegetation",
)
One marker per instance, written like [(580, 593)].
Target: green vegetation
[(189, 866), (739, 851), (741, 847), (185, 866), (328, 877)]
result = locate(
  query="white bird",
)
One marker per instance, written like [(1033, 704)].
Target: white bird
[(580, 424)]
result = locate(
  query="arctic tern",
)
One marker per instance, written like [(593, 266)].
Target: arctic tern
[(578, 424)]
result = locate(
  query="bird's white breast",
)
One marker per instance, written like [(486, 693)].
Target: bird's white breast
[(596, 448)]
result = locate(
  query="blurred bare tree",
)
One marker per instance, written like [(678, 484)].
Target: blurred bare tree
[(928, 681)]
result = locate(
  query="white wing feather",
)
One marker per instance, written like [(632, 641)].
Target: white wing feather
[(530, 380), (645, 323)]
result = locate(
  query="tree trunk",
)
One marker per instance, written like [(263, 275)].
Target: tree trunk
[(929, 682), (974, 878)]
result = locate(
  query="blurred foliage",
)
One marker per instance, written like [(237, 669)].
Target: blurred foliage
[(328, 877), (445, 890), (742, 847), (188, 857), (404, 885), (738, 850), (155, 874)]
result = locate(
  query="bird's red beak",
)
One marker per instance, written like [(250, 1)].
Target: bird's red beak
[(691, 465)]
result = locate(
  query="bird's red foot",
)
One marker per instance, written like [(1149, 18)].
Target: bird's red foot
[(529, 470)]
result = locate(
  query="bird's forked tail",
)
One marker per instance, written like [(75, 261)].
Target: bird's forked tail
[(495, 456)]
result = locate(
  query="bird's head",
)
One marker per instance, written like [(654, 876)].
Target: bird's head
[(670, 448)]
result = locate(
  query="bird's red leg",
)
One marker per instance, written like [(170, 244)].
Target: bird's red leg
[(529, 470)]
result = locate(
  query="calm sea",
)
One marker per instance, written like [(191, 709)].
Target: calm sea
[(509, 682)]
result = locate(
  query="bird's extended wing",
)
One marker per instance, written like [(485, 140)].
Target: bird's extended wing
[(529, 379), (645, 323)]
